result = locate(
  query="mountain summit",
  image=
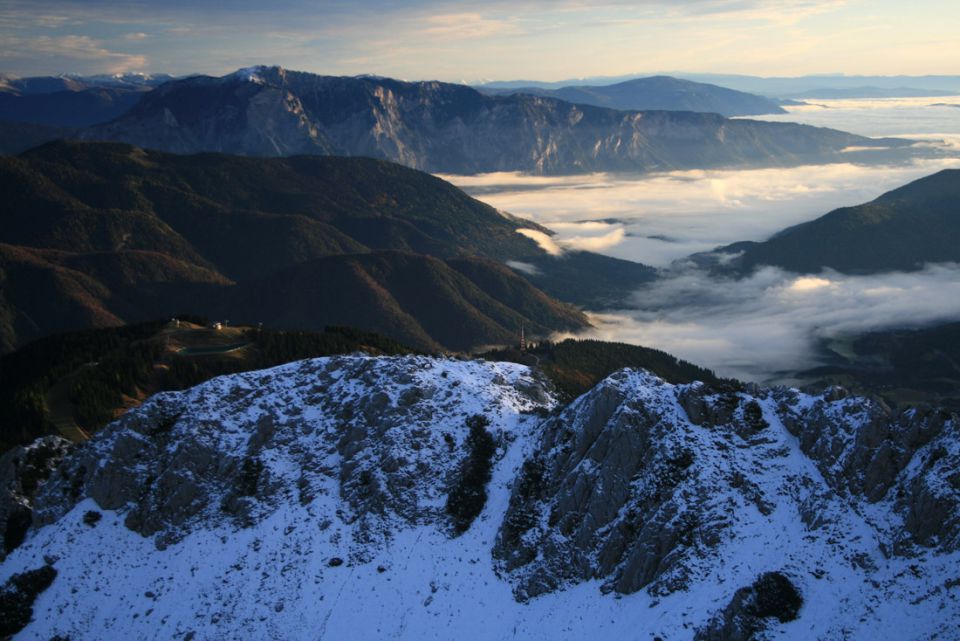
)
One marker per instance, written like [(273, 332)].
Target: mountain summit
[(440, 127), (658, 93), (416, 498)]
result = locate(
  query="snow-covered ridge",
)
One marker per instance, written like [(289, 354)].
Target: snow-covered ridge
[(308, 502), (251, 74), (248, 74)]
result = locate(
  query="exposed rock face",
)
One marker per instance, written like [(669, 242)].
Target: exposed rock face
[(233, 114), (771, 596), (863, 448), (638, 482), (614, 492), (23, 470), (311, 501), (360, 433), (449, 128)]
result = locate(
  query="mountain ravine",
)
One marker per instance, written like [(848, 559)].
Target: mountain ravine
[(314, 501)]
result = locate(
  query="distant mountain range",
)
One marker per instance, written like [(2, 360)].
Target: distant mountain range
[(74, 82), (72, 101), (97, 234), (763, 85), (900, 231), (657, 93), (438, 127), (68, 108)]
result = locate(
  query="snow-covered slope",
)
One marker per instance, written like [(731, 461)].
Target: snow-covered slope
[(308, 502)]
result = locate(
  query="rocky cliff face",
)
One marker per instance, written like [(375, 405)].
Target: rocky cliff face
[(313, 501), (441, 127), (23, 471), (640, 484)]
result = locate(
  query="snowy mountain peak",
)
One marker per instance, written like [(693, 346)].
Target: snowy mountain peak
[(253, 74), (406, 498)]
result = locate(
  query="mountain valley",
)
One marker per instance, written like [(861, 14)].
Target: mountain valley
[(362, 345)]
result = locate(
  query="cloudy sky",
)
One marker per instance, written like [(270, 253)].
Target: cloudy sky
[(494, 39)]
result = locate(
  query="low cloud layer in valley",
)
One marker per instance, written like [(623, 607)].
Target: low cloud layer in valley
[(766, 326), (658, 218), (906, 117)]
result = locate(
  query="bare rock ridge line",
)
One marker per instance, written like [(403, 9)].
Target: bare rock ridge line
[(439, 127), (643, 507)]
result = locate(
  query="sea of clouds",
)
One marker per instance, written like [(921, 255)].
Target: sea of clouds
[(765, 327), (768, 326)]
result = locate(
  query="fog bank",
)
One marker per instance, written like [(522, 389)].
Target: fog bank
[(763, 327)]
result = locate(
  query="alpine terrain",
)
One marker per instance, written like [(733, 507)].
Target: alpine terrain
[(424, 498), (450, 128)]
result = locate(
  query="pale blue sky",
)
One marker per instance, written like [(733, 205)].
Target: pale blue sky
[(469, 41)]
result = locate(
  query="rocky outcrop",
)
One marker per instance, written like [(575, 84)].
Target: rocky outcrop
[(23, 470), (614, 492), (638, 482), (357, 497), (234, 115), (863, 448), (357, 431), (753, 608)]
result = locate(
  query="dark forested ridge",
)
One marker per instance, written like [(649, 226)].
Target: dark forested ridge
[(902, 230), (98, 234), (904, 366), (574, 366), (76, 382)]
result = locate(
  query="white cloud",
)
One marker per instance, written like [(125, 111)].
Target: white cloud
[(765, 326), (593, 243), (466, 25), (543, 240), (70, 49), (659, 218), (526, 268)]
